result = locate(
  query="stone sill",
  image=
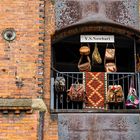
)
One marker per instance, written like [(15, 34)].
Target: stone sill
[(22, 105), (15, 103), (95, 111)]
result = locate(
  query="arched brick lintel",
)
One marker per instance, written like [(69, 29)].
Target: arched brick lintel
[(96, 27)]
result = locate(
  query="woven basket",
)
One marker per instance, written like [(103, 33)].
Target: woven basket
[(84, 50)]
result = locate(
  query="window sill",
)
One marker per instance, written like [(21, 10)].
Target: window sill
[(95, 111)]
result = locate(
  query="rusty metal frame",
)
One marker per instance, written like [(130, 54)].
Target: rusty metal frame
[(96, 27), (55, 109)]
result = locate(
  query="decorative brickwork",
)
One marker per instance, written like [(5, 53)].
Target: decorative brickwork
[(50, 126), (41, 46)]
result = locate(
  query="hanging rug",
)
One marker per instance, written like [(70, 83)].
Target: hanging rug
[(95, 89)]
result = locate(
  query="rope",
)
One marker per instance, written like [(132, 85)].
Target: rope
[(77, 78)]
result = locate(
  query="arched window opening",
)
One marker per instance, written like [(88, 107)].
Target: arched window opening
[(66, 54), (97, 82)]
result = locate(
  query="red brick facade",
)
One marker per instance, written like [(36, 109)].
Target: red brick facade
[(50, 126), (23, 59), (19, 58), (18, 127), (27, 58)]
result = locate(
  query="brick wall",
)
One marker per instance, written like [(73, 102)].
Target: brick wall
[(18, 127), (26, 57), (19, 58), (50, 125)]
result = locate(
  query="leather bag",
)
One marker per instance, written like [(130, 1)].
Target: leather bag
[(110, 67), (110, 60), (110, 53), (84, 66), (60, 84), (138, 63), (76, 92), (96, 57), (115, 94), (84, 50), (132, 98)]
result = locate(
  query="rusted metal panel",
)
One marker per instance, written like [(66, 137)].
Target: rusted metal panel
[(99, 27), (99, 126), (69, 12)]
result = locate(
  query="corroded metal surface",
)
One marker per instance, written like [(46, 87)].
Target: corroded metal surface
[(99, 126), (96, 26), (69, 12), (41, 125)]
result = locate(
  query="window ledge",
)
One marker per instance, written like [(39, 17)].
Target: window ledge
[(23, 104), (95, 111)]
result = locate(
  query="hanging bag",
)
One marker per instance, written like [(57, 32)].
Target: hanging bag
[(132, 98), (115, 94), (76, 92), (110, 52), (110, 67), (60, 84), (96, 57), (84, 50), (84, 66), (84, 61), (138, 63), (110, 60)]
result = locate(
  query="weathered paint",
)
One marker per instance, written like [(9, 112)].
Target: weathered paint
[(99, 126), (68, 12), (96, 26), (41, 126)]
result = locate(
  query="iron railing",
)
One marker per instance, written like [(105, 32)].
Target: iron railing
[(59, 100)]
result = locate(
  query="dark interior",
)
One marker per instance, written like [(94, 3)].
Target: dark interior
[(65, 57), (66, 54)]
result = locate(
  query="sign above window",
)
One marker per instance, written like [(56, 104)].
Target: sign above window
[(97, 38)]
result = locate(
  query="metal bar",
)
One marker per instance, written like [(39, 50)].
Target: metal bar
[(67, 87), (41, 125), (135, 57), (113, 84), (123, 92), (118, 78), (118, 84), (72, 82), (57, 97), (121, 78), (80, 82), (139, 88), (52, 93), (83, 76), (115, 73), (135, 78), (128, 83), (108, 75)]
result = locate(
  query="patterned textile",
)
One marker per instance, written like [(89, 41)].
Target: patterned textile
[(95, 89)]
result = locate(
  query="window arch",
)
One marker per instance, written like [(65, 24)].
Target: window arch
[(65, 57)]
